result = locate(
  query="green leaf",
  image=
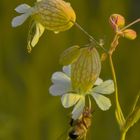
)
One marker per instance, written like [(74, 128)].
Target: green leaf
[(133, 118), (69, 55)]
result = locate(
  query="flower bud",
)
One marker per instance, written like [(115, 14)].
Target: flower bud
[(104, 56), (85, 70), (117, 21), (129, 34), (54, 15)]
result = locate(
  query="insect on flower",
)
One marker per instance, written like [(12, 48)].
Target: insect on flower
[(80, 126), (53, 15)]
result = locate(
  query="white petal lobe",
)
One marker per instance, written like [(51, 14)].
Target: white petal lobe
[(58, 90), (60, 78), (103, 102), (67, 70), (106, 87), (17, 21), (78, 109), (70, 99), (98, 81), (23, 8)]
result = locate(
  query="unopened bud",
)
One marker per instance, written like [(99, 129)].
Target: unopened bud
[(104, 56), (129, 34), (117, 21), (85, 70)]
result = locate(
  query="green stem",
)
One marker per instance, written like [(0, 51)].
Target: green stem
[(119, 114), (132, 23), (123, 135), (115, 80), (85, 136), (89, 36)]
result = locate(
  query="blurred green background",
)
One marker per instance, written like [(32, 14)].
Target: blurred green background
[(27, 110)]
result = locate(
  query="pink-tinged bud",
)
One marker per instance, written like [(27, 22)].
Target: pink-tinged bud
[(129, 34), (117, 21)]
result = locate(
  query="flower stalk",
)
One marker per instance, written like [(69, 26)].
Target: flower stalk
[(123, 134), (91, 38), (118, 111), (124, 124)]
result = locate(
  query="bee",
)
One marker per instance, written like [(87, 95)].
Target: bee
[(80, 126)]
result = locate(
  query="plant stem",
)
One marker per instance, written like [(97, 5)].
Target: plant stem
[(121, 119), (89, 36), (115, 80), (123, 134), (85, 136), (132, 23)]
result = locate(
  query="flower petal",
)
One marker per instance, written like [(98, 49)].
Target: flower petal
[(103, 102), (67, 70), (57, 90), (35, 32), (17, 21), (70, 99), (39, 31), (60, 78), (23, 8), (106, 87), (98, 81), (78, 109)]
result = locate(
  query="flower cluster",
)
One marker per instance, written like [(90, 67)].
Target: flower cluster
[(62, 86)]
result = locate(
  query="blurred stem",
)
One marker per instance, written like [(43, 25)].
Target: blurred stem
[(89, 101), (123, 135), (67, 138), (88, 35), (132, 23), (119, 114), (85, 136), (135, 103)]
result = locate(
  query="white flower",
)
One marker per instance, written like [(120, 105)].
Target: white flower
[(54, 15), (62, 87)]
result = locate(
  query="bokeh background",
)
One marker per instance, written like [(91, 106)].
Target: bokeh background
[(27, 110)]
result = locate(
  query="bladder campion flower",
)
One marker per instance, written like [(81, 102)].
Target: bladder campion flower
[(54, 15), (62, 86)]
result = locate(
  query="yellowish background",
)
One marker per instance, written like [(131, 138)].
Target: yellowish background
[(27, 110)]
